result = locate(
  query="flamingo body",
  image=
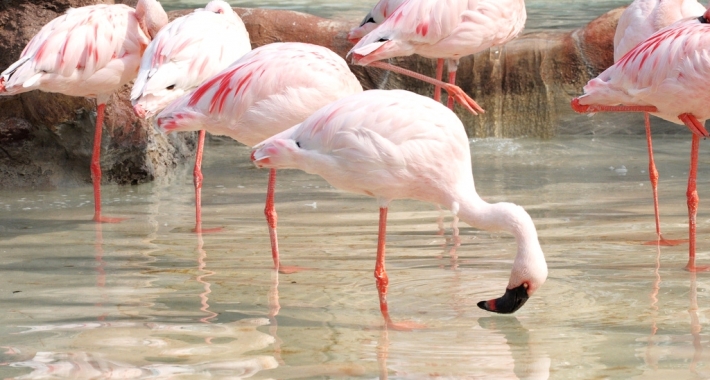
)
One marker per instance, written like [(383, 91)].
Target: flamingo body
[(185, 53), (667, 71), (256, 97), (642, 18), (90, 51), (397, 144), (442, 29)]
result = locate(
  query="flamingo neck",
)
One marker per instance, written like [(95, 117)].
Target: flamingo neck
[(151, 16), (529, 265)]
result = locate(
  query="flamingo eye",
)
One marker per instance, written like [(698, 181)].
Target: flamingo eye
[(172, 86)]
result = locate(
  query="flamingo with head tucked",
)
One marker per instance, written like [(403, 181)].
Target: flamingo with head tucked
[(90, 51), (638, 22), (667, 75), (396, 144), (184, 54), (440, 29), (263, 93)]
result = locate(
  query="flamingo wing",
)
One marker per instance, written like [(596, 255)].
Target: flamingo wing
[(186, 52)]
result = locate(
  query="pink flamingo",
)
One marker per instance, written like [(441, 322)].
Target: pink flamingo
[(256, 97), (666, 75), (638, 22), (440, 29), (182, 56), (396, 144), (90, 51)]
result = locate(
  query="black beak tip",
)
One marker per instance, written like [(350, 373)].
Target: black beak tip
[(512, 300)]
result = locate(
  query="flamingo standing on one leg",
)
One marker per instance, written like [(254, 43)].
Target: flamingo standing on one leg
[(184, 54), (667, 75), (447, 29), (397, 144), (256, 97), (90, 51), (638, 22)]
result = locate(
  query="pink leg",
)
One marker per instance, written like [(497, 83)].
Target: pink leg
[(271, 219), (381, 278), (653, 176), (198, 179), (693, 200), (439, 74), (96, 168), (454, 91), (452, 81)]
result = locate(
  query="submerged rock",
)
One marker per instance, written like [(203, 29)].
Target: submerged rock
[(525, 88)]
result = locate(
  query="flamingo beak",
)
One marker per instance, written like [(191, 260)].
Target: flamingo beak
[(512, 300), (139, 111)]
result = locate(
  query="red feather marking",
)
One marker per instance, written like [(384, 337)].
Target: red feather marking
[(202, 90), (40, 51), (423, 29)]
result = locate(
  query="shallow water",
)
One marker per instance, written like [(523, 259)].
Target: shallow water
[(542, 14), (147, 298)]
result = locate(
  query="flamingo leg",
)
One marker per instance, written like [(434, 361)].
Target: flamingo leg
[(452, 66), (382, 280), (693, 201), (96, 168), (439, 74), (454, 91), (653, 176), (197, 178), (271, 218)]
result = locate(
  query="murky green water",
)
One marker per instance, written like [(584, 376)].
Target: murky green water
[(147, 298)]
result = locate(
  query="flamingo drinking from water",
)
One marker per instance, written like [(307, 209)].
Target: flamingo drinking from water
[(185, 53), (638, 22), (90, 51), (667, 75), (440, 29), (396, 144), (263, 93)]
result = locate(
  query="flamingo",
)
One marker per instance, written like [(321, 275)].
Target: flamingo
[(91, 52), (256, 97), (440, 29), (638, 22), (394, 144), (666, 75), (184, 54)]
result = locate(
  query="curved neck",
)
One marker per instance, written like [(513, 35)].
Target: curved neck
[(529, 265), (151, 16), (666, 13)]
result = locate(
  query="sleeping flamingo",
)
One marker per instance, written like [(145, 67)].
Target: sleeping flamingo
[(638, 22), (440, 29), (396, 144), (184, 54), (265, 92), (666, 75), (90, 51)]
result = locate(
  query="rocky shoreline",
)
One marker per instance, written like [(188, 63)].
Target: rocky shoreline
[(524, 86)]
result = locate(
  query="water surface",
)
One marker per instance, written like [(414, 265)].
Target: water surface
[(147, 298)]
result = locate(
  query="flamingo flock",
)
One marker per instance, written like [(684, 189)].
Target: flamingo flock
[(199, 73)]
